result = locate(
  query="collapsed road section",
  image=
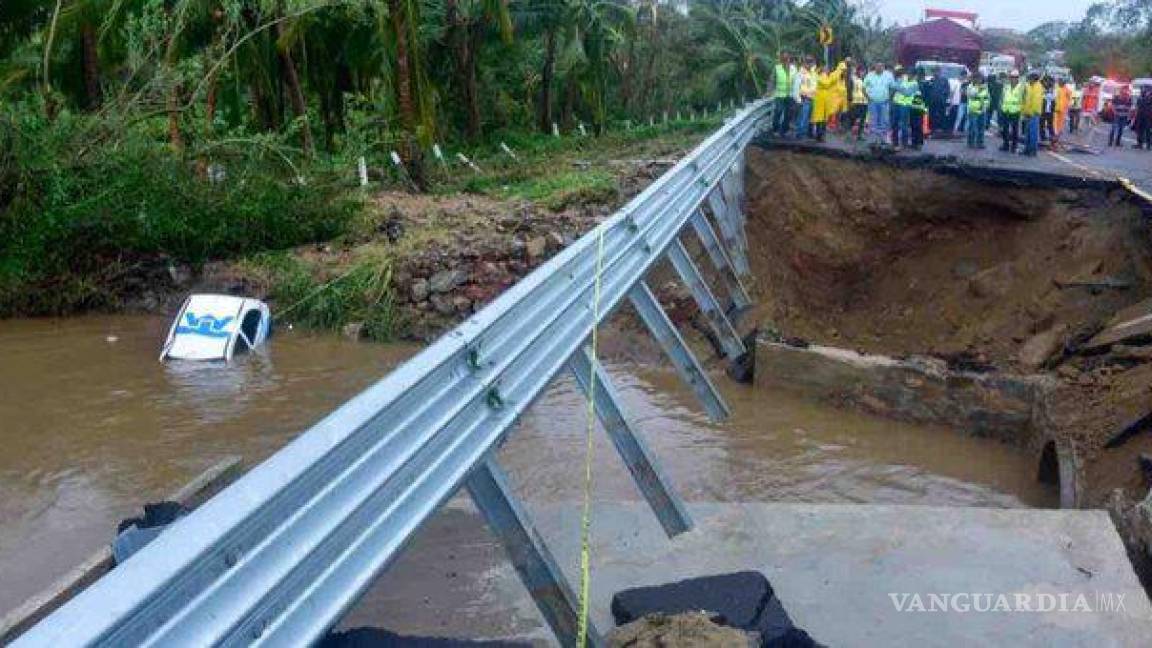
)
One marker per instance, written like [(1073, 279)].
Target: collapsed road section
[(1006, 303)]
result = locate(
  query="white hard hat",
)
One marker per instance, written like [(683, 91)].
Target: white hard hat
[(1014, 72)]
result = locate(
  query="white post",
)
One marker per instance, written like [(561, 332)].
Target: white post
[(463, 158), (555, 130), (583, 133), (440, 156)]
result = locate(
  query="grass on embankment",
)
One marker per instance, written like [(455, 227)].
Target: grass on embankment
[(89, 228), (563, 172), (349, 286)]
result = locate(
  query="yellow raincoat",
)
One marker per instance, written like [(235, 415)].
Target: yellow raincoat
[(824, 105)]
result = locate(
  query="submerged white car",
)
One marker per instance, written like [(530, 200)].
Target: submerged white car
[(215, 327)]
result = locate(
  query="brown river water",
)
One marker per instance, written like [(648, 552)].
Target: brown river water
[(92, 426)]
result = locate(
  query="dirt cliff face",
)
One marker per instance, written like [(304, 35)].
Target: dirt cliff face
[(995, 277), (900, 261)]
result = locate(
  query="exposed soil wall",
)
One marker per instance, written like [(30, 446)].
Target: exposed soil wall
[(901, 261), (987, 276)]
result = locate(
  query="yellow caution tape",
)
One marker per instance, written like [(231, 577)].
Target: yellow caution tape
[(586, 520)]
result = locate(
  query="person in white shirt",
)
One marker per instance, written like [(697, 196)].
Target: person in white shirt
[(953, 103), (804, 89)]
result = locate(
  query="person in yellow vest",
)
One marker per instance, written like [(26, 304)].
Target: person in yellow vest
[(1030, 110), (783, 106), (1075, 108), (978, 102), (824, 102), (841, 94), (1063, 103), (858, 113), (804, 85), (1010, 105)]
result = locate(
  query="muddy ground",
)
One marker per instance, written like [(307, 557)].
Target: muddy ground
[(987, 276)]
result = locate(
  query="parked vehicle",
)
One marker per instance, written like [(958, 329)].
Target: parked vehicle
[(947, 68)]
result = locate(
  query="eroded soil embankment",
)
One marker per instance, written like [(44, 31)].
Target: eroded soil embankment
[(987, 276)]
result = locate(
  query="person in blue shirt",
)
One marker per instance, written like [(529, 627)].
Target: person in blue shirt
[(878, 87)]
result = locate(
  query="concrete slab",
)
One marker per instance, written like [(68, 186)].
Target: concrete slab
[(837, 569)]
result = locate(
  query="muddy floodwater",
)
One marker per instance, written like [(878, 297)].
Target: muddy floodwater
[(91, 426)]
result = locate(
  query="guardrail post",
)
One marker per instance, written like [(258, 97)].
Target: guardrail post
[(648, 307), (719, 256), (705, 300), (731, 237), (538, 570), (664, 502)]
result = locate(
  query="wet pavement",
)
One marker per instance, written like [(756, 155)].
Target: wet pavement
[(834, 567), (1085, 155)]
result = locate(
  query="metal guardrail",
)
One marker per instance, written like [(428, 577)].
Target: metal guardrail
[(280, 555)]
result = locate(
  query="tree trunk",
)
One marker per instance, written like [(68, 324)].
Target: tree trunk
[(210, 101), (567, 112), (295, 91), (175, 137), (544, 110), (462, 41), (410, 151), (91, 59), (472, 95), (627, 84)]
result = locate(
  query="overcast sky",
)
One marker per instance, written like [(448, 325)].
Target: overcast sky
[(1017, 14)]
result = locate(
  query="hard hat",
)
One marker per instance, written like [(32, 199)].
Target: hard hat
[(1014, 72)]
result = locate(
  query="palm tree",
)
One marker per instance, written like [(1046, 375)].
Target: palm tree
[(741, 47), (546, 19), (596, 27), (468, 22)]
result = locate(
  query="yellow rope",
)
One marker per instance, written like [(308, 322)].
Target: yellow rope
[(586, 520)]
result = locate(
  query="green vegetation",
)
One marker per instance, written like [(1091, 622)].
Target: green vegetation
[(1114, 39), (139, 134), (330, 299)]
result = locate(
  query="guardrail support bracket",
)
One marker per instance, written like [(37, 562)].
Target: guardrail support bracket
[(649, 478), (538, 570)]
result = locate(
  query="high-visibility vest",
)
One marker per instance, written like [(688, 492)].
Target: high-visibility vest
[(1033, 99), (808, 83), (905, 91), (1077, 99), (783, 81), (977, 99), (859, 95), (1013, 99)]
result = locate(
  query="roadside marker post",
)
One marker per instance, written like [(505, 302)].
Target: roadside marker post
[(362, 170), (439, 156), (463, 158)]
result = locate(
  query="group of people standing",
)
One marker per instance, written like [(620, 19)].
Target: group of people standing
[(898, 107)]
